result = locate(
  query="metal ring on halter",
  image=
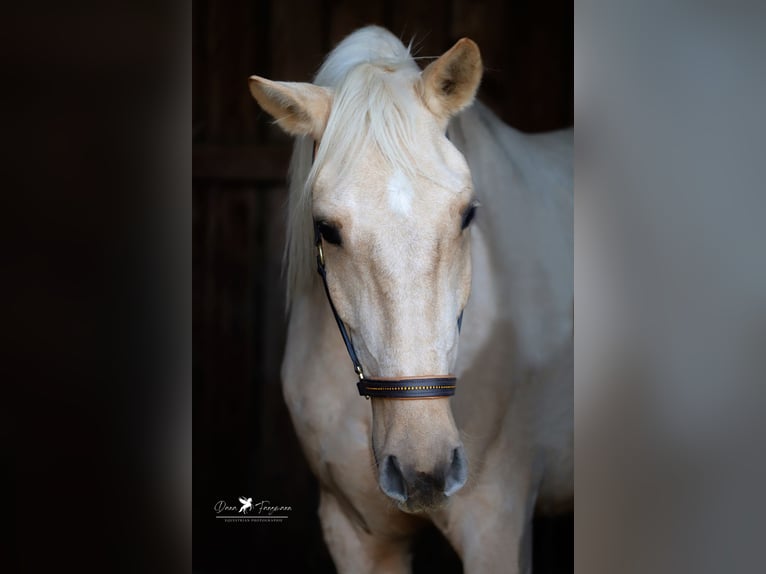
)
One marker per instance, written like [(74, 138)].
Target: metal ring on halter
[(320, 253)]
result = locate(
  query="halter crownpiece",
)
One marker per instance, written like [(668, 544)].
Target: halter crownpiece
[(423, 387)]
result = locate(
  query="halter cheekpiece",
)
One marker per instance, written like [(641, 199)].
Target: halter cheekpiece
[(420, 387)]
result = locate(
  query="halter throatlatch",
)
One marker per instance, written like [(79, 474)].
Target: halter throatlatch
[(392, 388)]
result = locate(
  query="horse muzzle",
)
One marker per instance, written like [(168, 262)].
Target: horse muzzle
[(418, 491)]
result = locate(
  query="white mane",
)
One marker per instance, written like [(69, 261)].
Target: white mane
[(372, 74)]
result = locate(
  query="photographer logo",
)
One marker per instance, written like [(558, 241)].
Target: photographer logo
[(249, 511)]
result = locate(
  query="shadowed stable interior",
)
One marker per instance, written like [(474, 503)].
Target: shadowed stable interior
[(244, 444)]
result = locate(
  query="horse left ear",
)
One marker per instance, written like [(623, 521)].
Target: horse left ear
[(449, 84)]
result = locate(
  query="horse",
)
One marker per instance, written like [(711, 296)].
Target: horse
[(444, 244)]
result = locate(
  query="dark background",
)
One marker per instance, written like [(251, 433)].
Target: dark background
[(243, 441)]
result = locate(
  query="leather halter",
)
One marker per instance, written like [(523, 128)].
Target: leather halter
[(418, 387)]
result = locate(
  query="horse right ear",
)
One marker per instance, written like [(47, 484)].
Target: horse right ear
[(449, 84), (298, 108)]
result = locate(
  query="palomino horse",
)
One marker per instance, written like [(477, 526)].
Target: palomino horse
[(382, 202)]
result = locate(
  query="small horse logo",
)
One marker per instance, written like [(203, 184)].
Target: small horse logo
[(247, 504)]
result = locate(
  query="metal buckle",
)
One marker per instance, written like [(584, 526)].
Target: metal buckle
[(320, 253), (358, 369)]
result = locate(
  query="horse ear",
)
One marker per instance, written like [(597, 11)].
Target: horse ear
[(449, 84), (299, 108)]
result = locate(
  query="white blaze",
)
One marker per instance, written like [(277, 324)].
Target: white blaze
[(400, 193)]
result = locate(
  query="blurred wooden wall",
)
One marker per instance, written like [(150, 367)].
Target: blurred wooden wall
[(243, 438)]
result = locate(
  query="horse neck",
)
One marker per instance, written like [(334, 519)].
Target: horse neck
[(524, 183)]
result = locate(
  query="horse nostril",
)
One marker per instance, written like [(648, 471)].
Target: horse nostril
[(392, 480), (457, 473)]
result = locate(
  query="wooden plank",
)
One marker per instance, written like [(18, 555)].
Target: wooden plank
[(527, 52), (223, 326), (231, 112), (241, 163), (273, 319), (296, 42), (484, 21), (539, 50), (348, 15), (296, 48), (214, 84), (427, 23)]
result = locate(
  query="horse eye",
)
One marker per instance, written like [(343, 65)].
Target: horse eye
[(468, 215), (329, 232)]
